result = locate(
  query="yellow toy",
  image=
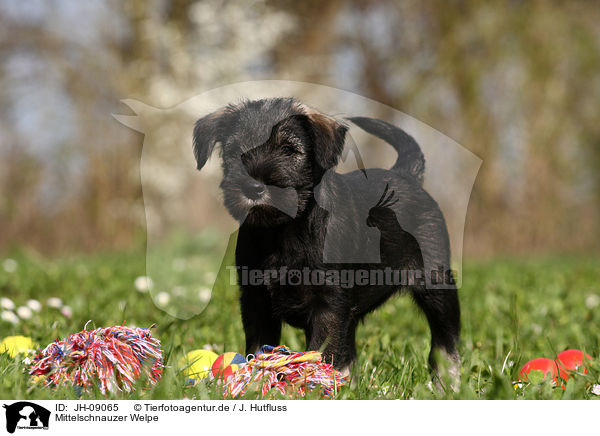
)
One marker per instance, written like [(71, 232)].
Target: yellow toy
[(14, 345), (197, 364)]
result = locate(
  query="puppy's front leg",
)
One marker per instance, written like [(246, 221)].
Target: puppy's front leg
[(261, 326), (335, 331)]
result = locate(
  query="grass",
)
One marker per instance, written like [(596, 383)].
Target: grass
[(512, 311)]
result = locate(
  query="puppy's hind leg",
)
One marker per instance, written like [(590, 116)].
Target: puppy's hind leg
[(442, 310)]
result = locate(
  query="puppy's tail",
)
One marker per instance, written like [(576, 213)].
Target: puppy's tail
[(411, 161)]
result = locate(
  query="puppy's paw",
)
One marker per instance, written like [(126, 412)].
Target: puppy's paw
[(446, 376)]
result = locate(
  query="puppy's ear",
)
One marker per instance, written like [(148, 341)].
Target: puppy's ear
[(329, 136), (207, 132)]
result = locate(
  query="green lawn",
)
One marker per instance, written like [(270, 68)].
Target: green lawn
[(512, 311)]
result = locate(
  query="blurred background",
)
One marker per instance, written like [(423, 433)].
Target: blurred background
[(517, 83)]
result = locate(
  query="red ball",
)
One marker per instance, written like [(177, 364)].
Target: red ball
[(228, 371), (571, 360), (547, 366), (226, 365)]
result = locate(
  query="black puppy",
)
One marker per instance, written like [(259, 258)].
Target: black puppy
[(296, 214)]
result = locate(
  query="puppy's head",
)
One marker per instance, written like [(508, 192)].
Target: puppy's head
[(274, 152)]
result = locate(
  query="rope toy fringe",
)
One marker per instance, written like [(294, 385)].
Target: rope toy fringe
[(114, 357), (286, 371)]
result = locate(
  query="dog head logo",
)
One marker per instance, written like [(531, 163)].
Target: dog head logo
[(254, 129), (26, 415)]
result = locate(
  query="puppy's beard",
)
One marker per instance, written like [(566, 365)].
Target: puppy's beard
[(275, 207), (284, 199)]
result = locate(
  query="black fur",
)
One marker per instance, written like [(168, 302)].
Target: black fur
[(296, 212)]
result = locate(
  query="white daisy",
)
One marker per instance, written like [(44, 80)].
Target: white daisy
[(204, 294), (66, 311), (54, 302), (6, 303), (34, 305), (24, 312), (163, 298), (592, 301), (10, 265), (9, 316), (143, 284)]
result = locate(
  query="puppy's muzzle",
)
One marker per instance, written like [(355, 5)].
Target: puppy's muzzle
[(253, 189), (250, 187)]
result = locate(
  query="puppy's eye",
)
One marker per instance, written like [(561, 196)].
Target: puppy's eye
[(288, 148)]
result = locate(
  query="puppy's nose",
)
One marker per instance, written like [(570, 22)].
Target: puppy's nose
[(253, 189)]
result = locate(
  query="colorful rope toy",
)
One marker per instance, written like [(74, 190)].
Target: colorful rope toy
[(114, 357), (286, 371)]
